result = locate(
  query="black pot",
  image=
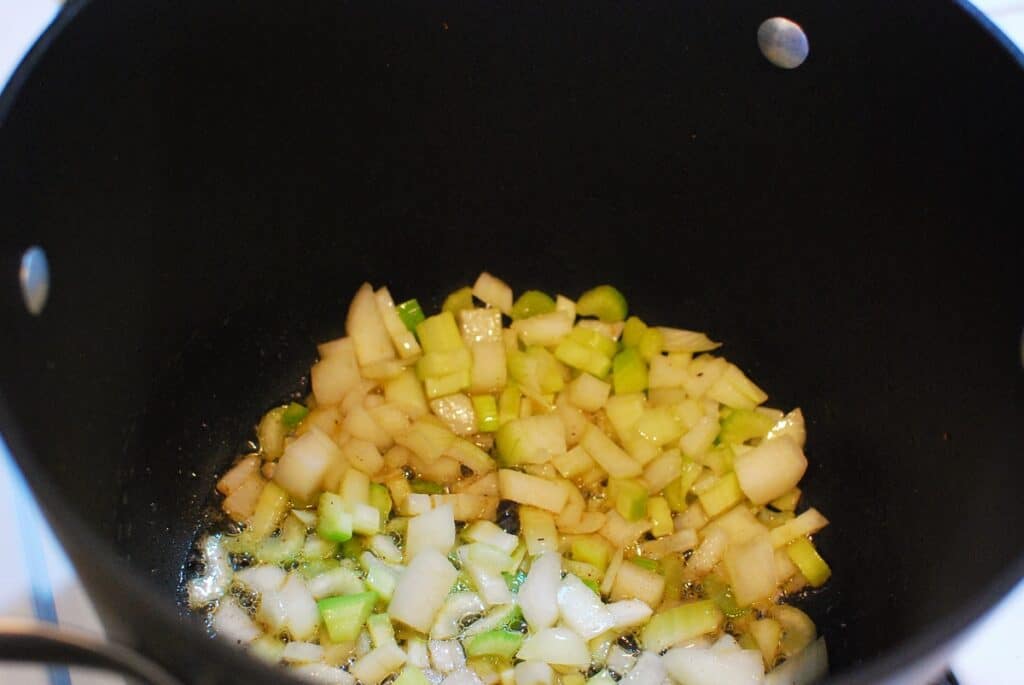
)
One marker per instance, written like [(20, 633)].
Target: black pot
[(212, 180)]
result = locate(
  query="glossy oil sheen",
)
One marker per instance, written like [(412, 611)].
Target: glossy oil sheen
[(212, 180)]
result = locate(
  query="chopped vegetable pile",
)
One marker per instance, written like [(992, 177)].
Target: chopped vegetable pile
[(575, 498)]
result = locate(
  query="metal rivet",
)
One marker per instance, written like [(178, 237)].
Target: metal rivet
[(34, 276), (782, 42)]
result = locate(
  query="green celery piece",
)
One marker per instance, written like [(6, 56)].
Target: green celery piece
[(334, 521), (676, 491), (283, 548), (458, 300), (501, 642), (411, 675), (592, 585), (549, 375), (411, 314), (629, 372), (486, 409), (651, 343), (293, 414), (352, 548), (803, 553), (508, 404), (514, 581), (633, 331), (426, 487), (647, 564), (579, 356), (532, 303), (630, 499), (683, 622), (593, 550), (439, 333), (599, 342), (345, 615), (605, 302), (720, 593), (740, 425), (380, 498)]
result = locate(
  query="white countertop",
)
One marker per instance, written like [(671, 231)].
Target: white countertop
[(41, 583)]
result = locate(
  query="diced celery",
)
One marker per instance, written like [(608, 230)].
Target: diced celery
[(740, 425), (508, 404), (532, 303), (594, 340), (803, 553), (536, 368), (411, 675), (633, 331), (723, 495), (345, 615), (674, 568), (380, 629), (659, 425), (352, 548), (630, 498), (624, 411), (579, 356), (605, 302), (439, 333), (679, 624), (458, 300), (661, 516), (411, 314), (650, 344), (629, 372), (381, 499), (648, 564), (446, 385), (286, 547), (721, 594), (593, 550), (486, 409), (501, 642), (271, 505), (434, 364), (426, 487), (334, 522), (379, 576), (788, 501), (293, 414)]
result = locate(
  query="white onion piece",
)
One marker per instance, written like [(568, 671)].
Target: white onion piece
[(216, 578), (582, 610), (272, 612), (556, 646), (365, 326), (534, 673), (296, 652), (232, 623), (491, 534), (803, 668), (261, 578), (490, 584), (416, 652), (619, 660), (456, 607), (385, 548), (648, 671), (793, 425), (322, 673), (696, 666), (434, 529), (422, 590), (629, 613), (538, 595), (303, 618), (463, 676), (446, 655), (300, 470), (771, 469), (337, 581), (378, 664)]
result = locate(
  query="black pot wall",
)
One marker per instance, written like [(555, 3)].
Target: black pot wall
[(212, 181)]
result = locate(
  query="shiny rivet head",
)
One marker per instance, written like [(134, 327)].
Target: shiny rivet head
[(34, 277), (782, 42)]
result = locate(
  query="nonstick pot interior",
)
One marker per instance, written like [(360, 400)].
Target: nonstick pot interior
[(212, 180)]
